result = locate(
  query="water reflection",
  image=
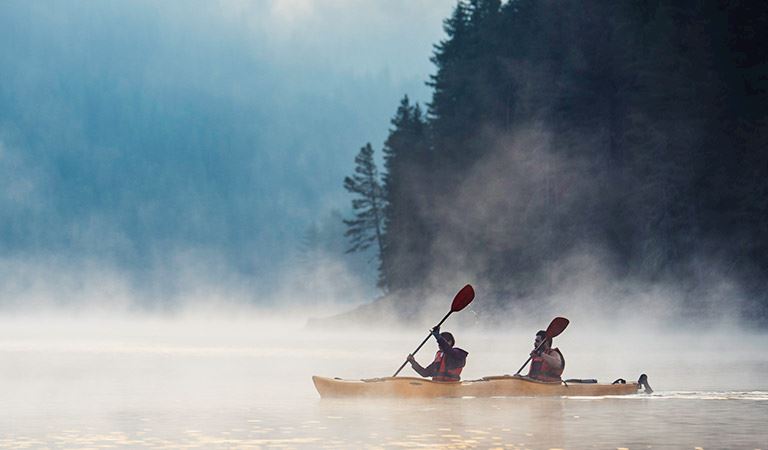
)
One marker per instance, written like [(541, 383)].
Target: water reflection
[(635, 422), (660, 421)]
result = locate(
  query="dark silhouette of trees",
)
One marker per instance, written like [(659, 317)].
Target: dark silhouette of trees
[(405, 255), (638, 129)]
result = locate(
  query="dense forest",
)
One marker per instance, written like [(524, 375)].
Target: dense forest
[(628, 135)]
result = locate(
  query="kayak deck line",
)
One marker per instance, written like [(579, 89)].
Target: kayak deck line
[(490, 386)]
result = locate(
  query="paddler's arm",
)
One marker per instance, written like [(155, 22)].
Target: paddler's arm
[(442, 343), (551, 360), (423, 371)]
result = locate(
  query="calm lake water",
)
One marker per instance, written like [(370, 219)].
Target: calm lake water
[(240, 383)]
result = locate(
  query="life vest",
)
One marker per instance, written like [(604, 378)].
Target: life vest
[(540, 370), (443, 372)]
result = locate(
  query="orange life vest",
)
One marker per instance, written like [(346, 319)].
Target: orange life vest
[(540, 370), (443, 372)]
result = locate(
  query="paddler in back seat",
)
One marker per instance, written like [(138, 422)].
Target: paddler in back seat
[(448, 362), (547, 363)]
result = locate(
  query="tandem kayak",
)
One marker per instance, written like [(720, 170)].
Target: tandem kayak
[(495, 386)]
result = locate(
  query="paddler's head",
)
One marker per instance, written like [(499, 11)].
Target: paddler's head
[(448, 337), (541, 335)]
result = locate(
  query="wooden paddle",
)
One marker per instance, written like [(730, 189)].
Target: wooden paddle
[(463, 298), (554, 329)]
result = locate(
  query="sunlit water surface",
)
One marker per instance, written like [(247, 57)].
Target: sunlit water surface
[(240, 383)]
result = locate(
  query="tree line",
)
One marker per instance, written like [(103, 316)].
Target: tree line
[(632, 135)]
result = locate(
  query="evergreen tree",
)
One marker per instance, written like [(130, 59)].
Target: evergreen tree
[(405, 256), (366, 228), (658, 108), (469, 85)]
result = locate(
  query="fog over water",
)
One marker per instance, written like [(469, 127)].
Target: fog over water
[(243, 379)]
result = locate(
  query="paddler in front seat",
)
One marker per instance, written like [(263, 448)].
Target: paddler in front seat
[(448, 362), (547, 363)]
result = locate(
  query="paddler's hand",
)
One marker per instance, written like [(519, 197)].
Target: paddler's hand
[(435, 332), (410, 358)]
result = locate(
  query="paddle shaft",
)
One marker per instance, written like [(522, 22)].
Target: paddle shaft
[(424, 342), (529, 358)]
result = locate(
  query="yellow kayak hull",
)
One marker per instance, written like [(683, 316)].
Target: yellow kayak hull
[(496, 386)]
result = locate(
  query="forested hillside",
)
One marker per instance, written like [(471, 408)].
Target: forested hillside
[(629, 135)]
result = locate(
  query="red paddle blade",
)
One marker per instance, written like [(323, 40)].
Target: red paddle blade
[(557, 326), (463, 298)]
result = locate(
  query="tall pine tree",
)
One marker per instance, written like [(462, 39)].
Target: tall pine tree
[(406, 251), (366, 228)]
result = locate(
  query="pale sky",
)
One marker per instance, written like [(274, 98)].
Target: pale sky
[(135, 132)]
